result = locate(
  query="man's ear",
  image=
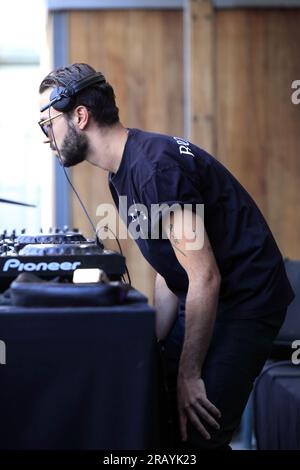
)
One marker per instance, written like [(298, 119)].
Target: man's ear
[(81, 117)]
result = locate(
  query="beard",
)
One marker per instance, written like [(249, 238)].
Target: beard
[(74, 148)]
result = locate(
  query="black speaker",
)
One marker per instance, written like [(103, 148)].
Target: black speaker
[(63, 98)]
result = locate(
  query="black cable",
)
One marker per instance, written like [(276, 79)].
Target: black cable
[(69, 181), (98, 241), (106, 227)]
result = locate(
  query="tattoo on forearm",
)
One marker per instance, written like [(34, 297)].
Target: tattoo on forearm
[(175, 240), (173, 234)]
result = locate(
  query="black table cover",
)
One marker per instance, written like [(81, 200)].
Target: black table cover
[(79, 378)]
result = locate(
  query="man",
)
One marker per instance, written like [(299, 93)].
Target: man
[(219, 305)]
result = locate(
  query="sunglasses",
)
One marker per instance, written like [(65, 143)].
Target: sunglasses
[(46, 124)]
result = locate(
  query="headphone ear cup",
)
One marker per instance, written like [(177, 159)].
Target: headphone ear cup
[(61, 102)]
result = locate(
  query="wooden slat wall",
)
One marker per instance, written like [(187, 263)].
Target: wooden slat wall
[(202, 75), (242, 64), (140, 53), (258, 127)]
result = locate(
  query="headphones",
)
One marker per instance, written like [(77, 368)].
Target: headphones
[(63, 98)]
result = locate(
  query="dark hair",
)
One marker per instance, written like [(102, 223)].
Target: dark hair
[(98, 98)]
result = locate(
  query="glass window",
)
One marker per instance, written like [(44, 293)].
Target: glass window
[(26, 171)]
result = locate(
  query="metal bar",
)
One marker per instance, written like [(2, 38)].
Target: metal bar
[(186, 72), (8, 201), (256, 3), (113, 4), (61, 58), (57, 5)]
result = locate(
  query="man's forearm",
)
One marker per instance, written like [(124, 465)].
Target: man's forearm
[(200, 314)]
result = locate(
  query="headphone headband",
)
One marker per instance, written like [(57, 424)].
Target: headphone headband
[(62, 98)]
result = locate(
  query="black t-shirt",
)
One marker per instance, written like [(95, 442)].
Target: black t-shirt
[(158, 169)]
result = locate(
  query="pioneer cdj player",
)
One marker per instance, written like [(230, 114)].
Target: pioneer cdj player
[(54, 254)]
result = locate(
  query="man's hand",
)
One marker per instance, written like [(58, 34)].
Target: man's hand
[(193, 405)]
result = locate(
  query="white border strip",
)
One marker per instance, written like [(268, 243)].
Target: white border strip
[(113, 4)]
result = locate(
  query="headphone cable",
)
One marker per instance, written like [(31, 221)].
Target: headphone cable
[(106, 227), (98, 240)]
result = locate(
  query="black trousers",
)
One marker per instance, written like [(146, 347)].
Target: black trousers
[(238, 351)]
